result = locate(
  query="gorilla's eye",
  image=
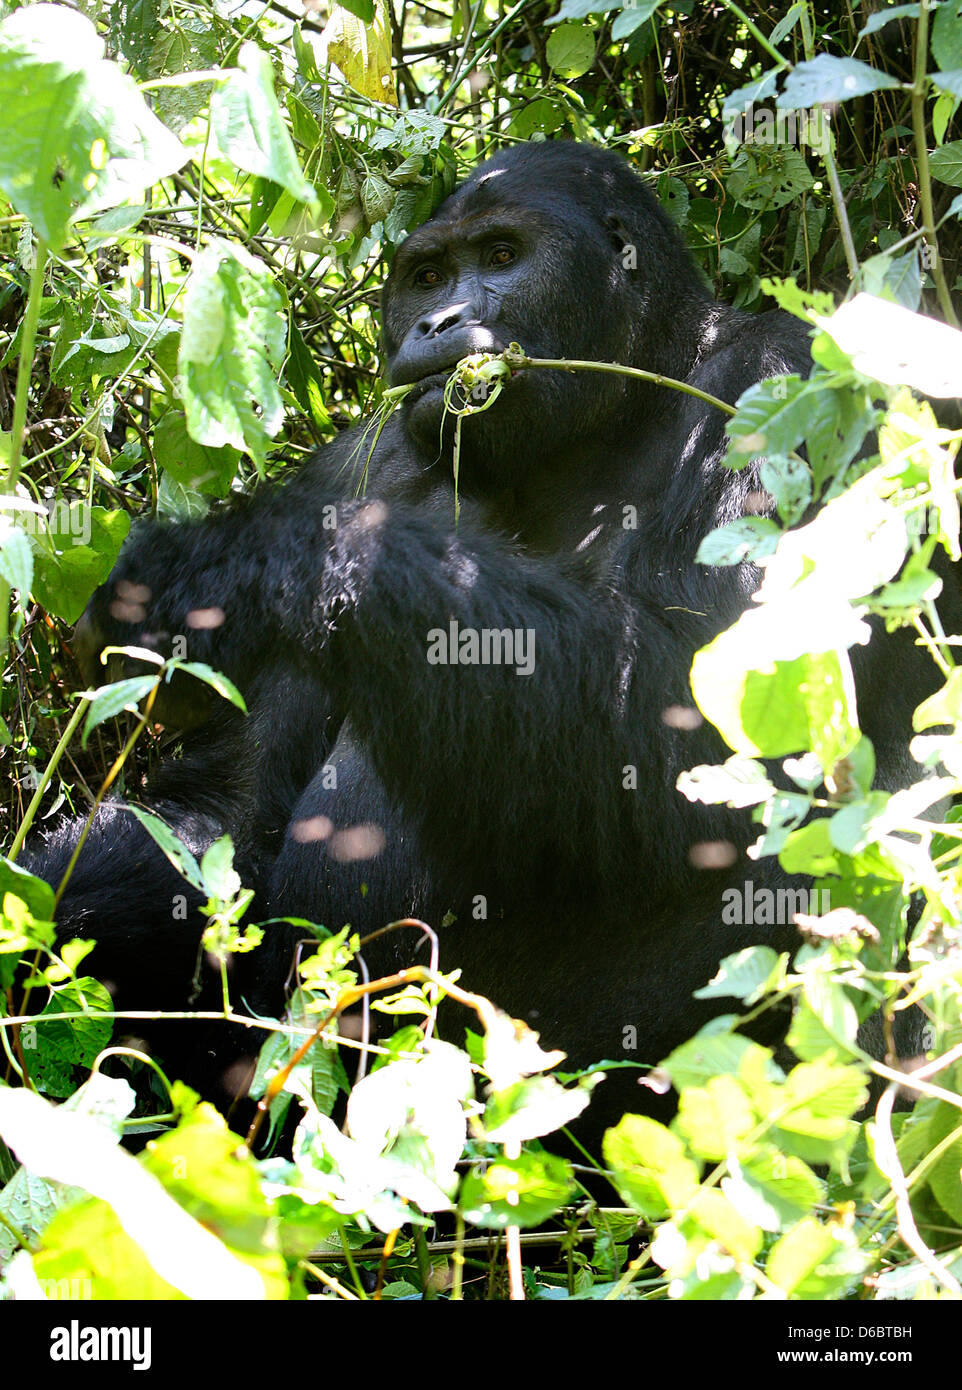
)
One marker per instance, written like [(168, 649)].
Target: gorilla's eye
[(428, 276), (501, 255)]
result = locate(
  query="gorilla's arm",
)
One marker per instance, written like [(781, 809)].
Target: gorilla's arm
[(479, 756)]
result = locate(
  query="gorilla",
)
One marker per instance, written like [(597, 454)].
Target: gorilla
[(468, 692)]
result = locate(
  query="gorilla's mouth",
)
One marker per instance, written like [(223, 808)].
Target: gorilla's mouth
[(435, 384)]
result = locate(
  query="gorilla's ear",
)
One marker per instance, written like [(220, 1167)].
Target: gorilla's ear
[(618, 233)]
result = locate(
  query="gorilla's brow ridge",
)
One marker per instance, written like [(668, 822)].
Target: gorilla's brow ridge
[(475, 227)]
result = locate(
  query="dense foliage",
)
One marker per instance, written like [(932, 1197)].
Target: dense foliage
[(196, 205)]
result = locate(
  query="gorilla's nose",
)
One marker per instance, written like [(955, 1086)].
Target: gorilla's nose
[(451, 316)]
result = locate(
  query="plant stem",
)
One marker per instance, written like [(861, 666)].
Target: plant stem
[(44, 782), (24, 368), (919, 89)]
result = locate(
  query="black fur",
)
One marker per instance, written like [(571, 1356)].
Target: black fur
[(473, 782)]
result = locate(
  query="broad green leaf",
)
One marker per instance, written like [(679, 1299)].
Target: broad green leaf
[(54, 1050), (247, 127), (361, 48), (571, 50), (789, 707), (748, 538), (221, 879), (72, 1148), (772, 1189), (632, 17), (75, 555), (35, 892), (231, 348), (774, 417), (738, 782), (880, 18), (745, 975), (225, 688), (75, 132), (649, 1166), (715, 1118), (815, 1260), (710, 1054), (827, 80), (768, 175), (190, 47), (194, 466), (16, 562), (947, 35), (521, 1191), (789, 480), (945, 1176), (580, 9), (896, 346), (717, 1216), (531, 1108), (87, 1253)]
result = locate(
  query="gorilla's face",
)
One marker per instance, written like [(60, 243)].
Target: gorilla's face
[(504, 260)]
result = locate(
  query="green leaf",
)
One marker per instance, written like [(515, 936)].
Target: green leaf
[(202, 1164), (790, 707), (649, 1166), (75, 555), (35, 892), (738, 782), (945, 1176), (721, 1220), (225, 688), (789, 480), (947, 35), (221, 880), (949, 83), (946, 163), (362, 9), (824, 1023), (815, 1261), (112, 699), (72, 1148), (16, 562), (746, 975), (813, 1112), (177, 852), (53, 1050), (716, 1118), (531, 1108), (772, 1189), (827, 80), (580, 9), (632, 17), (515, 1191), (230, 350), (880, 18), (571, 50), (773, 417), (247, 126), (306, 381), (191, 47), (75, 132), (748, 538), (765, 176), (87, 1249), (192, 465), (710, 1054)]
